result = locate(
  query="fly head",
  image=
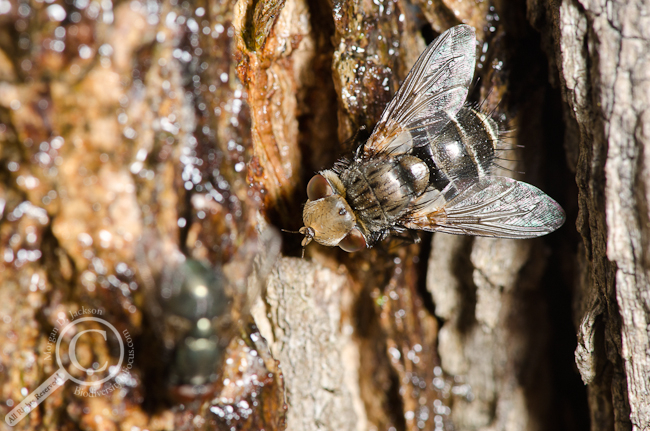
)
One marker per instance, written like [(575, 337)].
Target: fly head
[(328, 218)]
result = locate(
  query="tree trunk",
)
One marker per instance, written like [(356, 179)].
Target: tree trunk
[(131, 132), (601, 54)]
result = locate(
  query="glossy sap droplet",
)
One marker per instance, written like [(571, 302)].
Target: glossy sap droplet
[(354, 241), (318, 188)]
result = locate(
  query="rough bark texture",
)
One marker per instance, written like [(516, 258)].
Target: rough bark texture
[(134, 128), (601, 53), (308, 335)]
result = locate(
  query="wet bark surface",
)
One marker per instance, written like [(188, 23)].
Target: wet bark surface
[(134, 131)]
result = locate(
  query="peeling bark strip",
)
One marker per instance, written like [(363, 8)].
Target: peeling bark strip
[(274, 50), (602, 53)]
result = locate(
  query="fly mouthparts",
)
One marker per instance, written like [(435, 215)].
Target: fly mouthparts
[(309, 235)]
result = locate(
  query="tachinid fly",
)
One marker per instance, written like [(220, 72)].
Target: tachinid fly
[(427, 166)]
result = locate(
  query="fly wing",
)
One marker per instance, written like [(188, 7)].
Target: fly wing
[(497, 207), (432, 93)]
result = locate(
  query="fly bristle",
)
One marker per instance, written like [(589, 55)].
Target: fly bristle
[(341, 165), (505, 141), (507, 169), (503, 159)]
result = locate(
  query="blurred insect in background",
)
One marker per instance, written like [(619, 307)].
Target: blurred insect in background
[(196, 309), (426, 166)]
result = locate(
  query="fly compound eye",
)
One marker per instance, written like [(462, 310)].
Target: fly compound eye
[(354, 241), (318, 188)]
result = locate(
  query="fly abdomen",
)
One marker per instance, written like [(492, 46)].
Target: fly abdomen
[(463, 151), (482, 134), (416, 172)]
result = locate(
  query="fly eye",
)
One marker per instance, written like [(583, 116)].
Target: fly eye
[(318, 188), (354, 241)]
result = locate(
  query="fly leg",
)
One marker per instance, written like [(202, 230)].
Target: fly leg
[(403, 238)]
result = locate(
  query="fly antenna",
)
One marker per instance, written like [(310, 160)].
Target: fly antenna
[(290, 231)]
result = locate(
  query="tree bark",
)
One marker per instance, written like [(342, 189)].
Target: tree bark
[(601, 55), (136, 129)]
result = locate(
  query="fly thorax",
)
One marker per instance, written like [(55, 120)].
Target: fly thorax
[(417, 173), (329, 218)]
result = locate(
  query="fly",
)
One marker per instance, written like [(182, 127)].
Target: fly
[(426, 166)]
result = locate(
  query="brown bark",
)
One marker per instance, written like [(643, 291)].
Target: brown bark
[(134, 127)]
